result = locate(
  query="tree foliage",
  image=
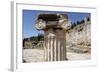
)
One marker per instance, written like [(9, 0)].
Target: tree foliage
[(79, 22)]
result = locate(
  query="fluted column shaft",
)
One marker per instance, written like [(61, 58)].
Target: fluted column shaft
[(55, 45)]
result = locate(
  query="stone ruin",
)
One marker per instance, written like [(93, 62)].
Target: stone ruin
[(54, 27)]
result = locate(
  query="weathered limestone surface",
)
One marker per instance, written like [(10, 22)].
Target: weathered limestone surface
[(55, 35), (55, 45), (78, 39), (80, 35)]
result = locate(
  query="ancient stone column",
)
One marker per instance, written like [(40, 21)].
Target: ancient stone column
[(54, 27)]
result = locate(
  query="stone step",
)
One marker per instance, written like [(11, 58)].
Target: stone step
[(77, 50)]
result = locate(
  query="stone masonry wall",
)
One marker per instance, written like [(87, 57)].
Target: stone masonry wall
[(79, 35)]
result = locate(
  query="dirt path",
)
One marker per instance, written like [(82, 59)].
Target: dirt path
[(33, 55), (37, 55)]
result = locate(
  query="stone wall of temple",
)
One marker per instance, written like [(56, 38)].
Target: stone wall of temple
[(79, 35)]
